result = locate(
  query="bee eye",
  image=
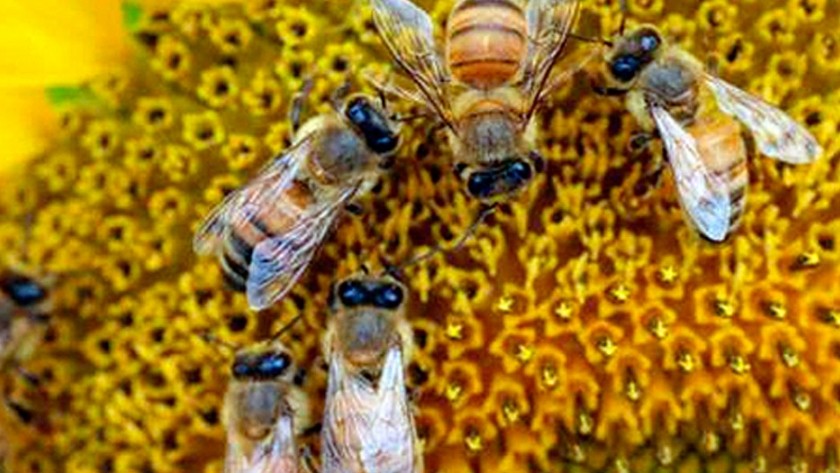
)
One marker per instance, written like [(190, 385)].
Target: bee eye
[(625, 68), (273, 365), (519, 171), (389, 296), (352, 293), (481, 184), (649, 42), (241, 369), (24, 291)]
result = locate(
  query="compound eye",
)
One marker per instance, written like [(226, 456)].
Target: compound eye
[(357, 110), (241, 369), (649, 41), (273, 365), (352, 293), (481, 184), (24, 291), (384, 144), (625, 68), (389, 296), (520, 171)]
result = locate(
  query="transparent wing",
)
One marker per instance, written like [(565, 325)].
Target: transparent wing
[(408, 33), (277, 262), (348, 408), (549, 24), (777, 134), (261, 192), (393, 446), (703, 196), (277, 454)]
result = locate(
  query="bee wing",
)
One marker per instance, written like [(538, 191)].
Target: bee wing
[(777, 134), (549, 24), (702, 194), (408, 33), (261, 192), (393, 447), (278, 261), (348, 408), (277, 454)]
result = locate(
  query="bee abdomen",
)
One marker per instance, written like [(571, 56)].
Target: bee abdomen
[(722, 148), (487, 41)]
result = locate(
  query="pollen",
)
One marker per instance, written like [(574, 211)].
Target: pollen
[(584, 326)]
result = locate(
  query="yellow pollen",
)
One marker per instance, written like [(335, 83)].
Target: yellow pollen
[(473, 442), (510, 411), (549, 376), (453, 391), (524, 353), (832, 317), (686, 362), (789, 356), (505, 304), (633, 391), (564, 311), (724, 308), (607, 346), (454, 330), (658, 328), (801, 399), (808, 259), (776, 310), (585, 424), (739, 365), (667, 274), (620, 293)]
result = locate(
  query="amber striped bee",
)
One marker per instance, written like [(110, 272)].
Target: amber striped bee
[(264, 410), (497, 71), (368, 425), (266, 233), (697, 116)]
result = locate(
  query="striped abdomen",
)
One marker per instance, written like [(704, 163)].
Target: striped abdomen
[(264, 222), (722, 148), (486, 41)]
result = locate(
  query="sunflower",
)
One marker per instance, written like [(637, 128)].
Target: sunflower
[(583, 327)]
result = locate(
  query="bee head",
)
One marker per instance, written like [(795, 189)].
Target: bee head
[(22, 291), (633, 52), (377, 293), (373, 124), (264, 364), (500, 181)]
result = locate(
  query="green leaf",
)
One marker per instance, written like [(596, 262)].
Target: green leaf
[(132, 13)]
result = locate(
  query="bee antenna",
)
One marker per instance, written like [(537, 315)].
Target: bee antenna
[(587, 39), (212, 339), (624, 12), (286, 327), (484, 213)]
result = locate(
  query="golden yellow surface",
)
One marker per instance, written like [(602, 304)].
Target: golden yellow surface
[(584, 328)]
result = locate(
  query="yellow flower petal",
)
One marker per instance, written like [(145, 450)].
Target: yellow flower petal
[(25, 125)]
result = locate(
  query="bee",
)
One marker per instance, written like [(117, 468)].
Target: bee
[(24, 305), (699, 117), (496, 73), (263, 411), (266, 233), (368, 425)]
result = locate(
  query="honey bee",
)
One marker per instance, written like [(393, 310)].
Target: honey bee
[(24, 305), (368, 424), (697, 116), (263, 411), (266, 233), (498, 69)]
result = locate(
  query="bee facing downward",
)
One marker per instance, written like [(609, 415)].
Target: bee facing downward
[(263, 408), (697, 116), (266, 233), (368, 425), (500, 57)]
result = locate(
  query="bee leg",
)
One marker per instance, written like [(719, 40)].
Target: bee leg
[(639, 142), (307, 458), (339, 94), (298, 104), (354, 208), (23, 413)]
